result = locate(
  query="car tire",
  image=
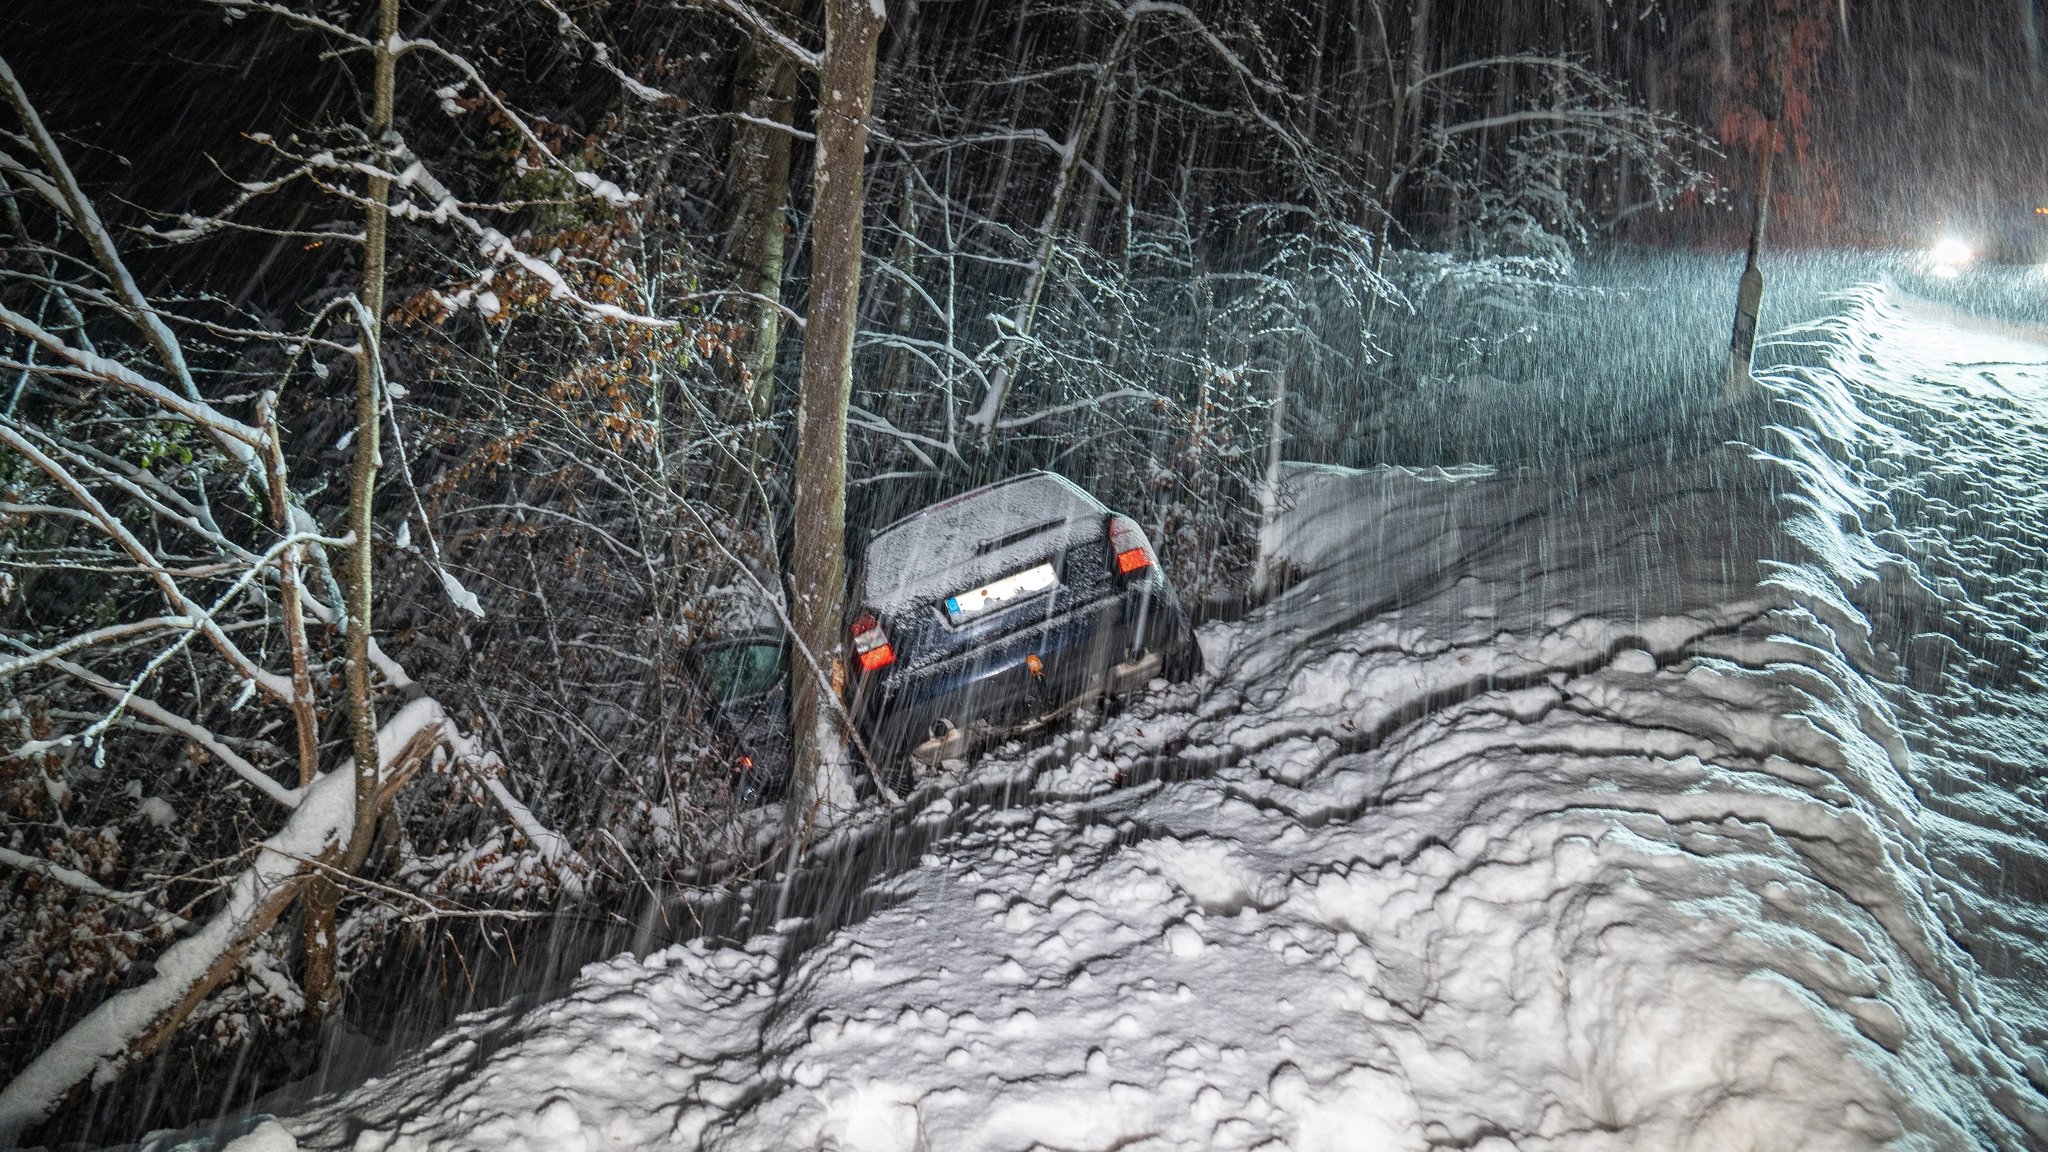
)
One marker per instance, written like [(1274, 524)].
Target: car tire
[(1184, 663), (901, 777)]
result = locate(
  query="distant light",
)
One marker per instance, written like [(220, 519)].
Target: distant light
[(1951, 253), (1947, 271)]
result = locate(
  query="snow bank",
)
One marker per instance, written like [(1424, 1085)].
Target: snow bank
[(1577, 811)]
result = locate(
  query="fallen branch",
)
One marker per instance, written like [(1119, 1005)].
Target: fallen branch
[(133, 1023)]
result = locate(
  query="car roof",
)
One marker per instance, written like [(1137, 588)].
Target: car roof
[(964, 497)]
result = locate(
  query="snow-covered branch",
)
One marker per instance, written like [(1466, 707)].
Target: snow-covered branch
[(759, 27), (79, 210), (1584, 116), (1231, 60), (127, 1026), (1078, 405), (112, 525), (97, 636), (602, 54), (239, 439)]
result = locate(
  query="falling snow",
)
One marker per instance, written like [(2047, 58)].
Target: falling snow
[(1599, 810)]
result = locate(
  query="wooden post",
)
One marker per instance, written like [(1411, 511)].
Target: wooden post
[(1269, 485), (1749, 298)]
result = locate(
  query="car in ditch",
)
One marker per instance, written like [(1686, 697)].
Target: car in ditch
[(739, 684), (988, 615), (999, 611)]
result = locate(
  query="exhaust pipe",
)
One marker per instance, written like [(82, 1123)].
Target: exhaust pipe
[(947, 742)]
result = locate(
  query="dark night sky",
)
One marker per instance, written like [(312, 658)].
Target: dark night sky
[(1918, 111)]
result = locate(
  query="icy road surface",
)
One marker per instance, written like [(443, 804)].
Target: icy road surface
[(1695, 806)]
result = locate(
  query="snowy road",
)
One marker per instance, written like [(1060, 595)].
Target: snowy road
[(1696, 806)]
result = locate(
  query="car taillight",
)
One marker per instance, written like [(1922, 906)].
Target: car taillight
[(871, 644), (1127, 543)]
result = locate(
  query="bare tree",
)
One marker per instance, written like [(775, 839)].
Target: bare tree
[(118, 464), (101, 489), (323, 894)]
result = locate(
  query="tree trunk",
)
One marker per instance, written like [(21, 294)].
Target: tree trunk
[(322, 895), (757, 187), (846, 95), (317, 929), (1394, 166)]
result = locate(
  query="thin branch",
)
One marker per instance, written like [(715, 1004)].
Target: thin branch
[(758, 25), (89, 639), (144, 706), (271, 682), (236, 438), (79, 209), (1090, 402)]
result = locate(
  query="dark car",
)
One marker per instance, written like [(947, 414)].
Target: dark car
[(980, 617), (1002, 609)]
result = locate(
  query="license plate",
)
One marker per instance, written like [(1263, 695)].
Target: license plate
[(970, 604)]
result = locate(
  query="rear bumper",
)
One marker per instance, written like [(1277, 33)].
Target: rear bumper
[(949, 741), (1113, 645)]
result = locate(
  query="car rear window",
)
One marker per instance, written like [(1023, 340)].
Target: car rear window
[(940, 551)]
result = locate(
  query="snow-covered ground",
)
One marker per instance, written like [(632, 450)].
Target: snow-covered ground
[(1686, 806)]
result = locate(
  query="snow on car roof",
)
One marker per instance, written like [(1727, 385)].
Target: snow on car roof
[(942, 549)]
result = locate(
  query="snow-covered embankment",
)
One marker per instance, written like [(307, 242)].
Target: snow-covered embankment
[(1578, 810)]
